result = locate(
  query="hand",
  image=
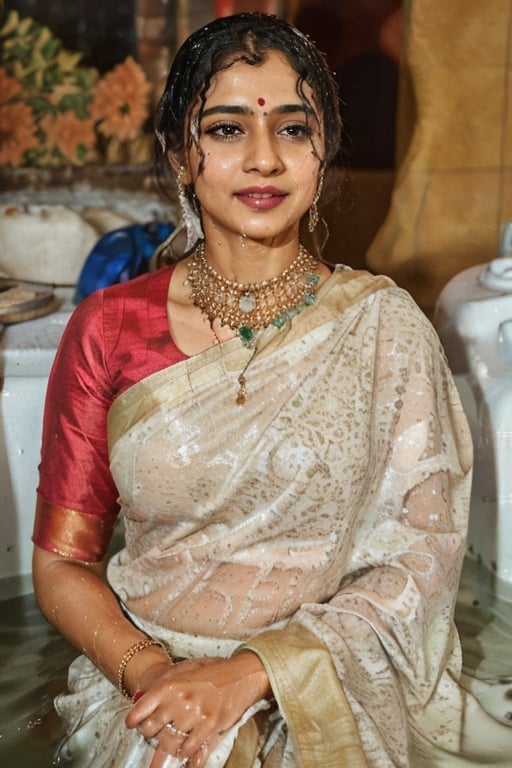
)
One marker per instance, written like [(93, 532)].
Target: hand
[(202, 698)]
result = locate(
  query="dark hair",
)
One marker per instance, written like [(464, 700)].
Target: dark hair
[(243, 37)]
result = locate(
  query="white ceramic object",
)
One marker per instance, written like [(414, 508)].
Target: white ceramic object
[(43, 244), (474, 320)]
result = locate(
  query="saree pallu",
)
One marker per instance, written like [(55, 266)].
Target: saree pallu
[(322, 525)]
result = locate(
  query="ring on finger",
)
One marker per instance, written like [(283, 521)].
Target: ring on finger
[(153, 742), (177, 731)]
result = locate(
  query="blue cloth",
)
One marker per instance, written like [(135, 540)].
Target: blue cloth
[(120, 255)]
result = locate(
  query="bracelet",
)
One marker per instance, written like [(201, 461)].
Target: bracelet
[(130, 653)]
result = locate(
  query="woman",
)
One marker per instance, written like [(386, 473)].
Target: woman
[(286, 447)]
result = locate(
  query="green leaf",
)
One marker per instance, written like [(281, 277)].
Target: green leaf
[(67, 61), (50, 49), (86, 77), (77, 102), (40, 106), (11, 24)]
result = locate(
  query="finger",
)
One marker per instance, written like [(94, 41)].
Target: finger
[(140, 711), (162, 759), (199, 758), (198, 747), (150, 727), (169, 742)]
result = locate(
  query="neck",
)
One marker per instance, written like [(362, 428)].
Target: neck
[(249, 261)]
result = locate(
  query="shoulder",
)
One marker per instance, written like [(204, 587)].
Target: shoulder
[(380, 303), (349, 288), (150, 285), (362, 284), (137, 294), (134, 309)]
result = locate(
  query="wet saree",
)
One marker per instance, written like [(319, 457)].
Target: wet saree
[(322, 524)]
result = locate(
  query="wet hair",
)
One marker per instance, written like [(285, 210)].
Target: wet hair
[(246, 37)]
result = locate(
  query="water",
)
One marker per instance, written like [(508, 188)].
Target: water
[(34, 661), (33, 665)]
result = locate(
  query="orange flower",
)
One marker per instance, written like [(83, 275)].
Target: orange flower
[(17, 133), (120, 102), (17, 126), (67, 133), (9, 86)]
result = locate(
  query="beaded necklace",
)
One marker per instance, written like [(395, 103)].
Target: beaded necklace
[(247, 308)]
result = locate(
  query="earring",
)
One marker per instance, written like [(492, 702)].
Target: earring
[(313, 210), (313, 216), (189, 216)]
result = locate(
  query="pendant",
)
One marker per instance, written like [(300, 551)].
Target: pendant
[(246, 335), (247, 302), (242, 392)]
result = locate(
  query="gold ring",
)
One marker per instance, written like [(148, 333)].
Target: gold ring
[(177, 731)]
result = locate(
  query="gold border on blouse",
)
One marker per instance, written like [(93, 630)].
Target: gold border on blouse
[(69, 533)]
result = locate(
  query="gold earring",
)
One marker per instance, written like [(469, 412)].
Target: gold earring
[(313, 210), (180, 186), (190, 215), (313, 216)]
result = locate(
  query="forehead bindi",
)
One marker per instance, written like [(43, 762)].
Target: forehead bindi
[(261, 101)]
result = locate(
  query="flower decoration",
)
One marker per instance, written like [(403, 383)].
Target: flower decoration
[(120, 101), (17, 126), (66, 134), (54, 111)]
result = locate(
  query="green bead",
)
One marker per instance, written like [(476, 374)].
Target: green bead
[(279, 321), (309, 298), (246, 334)]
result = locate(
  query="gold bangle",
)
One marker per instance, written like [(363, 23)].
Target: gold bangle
[(130, 653)]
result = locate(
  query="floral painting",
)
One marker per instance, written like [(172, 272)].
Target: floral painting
[(54, 111)]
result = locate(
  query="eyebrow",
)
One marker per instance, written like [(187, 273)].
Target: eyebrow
[(235, 109)]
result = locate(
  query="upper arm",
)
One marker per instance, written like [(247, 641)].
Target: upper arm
[(77, 496), (44, 561)]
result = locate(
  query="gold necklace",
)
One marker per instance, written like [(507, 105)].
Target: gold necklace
[(249, 307)]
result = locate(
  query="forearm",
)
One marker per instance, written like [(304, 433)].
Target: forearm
[(78, 602)]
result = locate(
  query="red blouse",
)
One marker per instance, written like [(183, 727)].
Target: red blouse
[(114, 338)]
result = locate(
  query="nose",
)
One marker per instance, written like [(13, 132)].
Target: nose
[(263, 154)]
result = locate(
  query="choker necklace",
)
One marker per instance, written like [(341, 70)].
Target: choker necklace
[(249, 307)]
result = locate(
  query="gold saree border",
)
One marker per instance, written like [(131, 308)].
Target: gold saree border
[(245, 748), (69, 533), (310, 697)]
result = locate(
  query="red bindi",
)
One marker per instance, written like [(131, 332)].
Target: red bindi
[(261, 101)]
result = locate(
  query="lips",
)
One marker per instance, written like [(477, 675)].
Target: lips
[(261, 198)]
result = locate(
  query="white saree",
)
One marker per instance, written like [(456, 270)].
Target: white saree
[(321, 524)]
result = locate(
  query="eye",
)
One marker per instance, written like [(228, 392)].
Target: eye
[(224, 130), (297, 131)]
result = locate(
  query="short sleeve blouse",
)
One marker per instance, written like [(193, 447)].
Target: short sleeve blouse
[(114, 338)]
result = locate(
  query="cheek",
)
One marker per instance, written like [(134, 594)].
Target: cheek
[(218, 167), (307, 175)]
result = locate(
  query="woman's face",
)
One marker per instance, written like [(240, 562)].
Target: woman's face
[(257, 171)]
